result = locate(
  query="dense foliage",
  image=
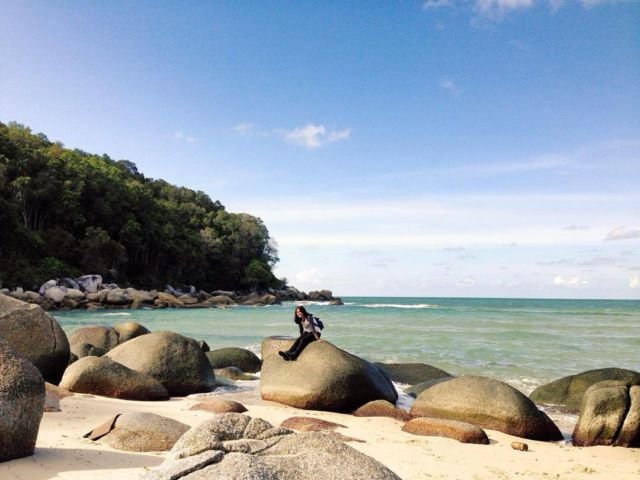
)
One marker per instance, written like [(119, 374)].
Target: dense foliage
[(66, 212)]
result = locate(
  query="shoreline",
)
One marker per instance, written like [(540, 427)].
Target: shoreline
[(62, 454)]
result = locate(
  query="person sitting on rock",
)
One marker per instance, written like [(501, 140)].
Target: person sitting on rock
[(309, 332)]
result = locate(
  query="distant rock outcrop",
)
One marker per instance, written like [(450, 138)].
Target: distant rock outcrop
[(89, 292)]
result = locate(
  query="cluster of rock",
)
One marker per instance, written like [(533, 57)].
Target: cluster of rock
[(127, 361), (88, 292), (233, 445), (608, 403)]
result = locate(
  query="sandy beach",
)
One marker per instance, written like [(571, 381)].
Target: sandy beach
[(62, 452)]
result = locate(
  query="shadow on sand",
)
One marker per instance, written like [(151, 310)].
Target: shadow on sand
[(48, 463)]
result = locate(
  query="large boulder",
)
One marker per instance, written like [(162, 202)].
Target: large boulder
[(412, 373), (144, 432), (118, 296), (81, 350), (103, 376), (35, 335), (323, 377), (128, 330), (245, 360), (175, 361), (98, 336), (487, 403), (56, 294), (75, 294), (90, 283), (220, 301), (609, 415), (167, 300), (567, 392), (235, 447), (22, 396)]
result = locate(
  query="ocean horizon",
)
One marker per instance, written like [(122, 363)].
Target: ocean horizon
[(524, 342)]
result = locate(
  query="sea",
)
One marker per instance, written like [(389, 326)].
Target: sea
[(523, 342)]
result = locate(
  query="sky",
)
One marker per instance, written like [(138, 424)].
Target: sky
[(467, 148)]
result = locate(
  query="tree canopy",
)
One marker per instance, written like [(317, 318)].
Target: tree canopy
[(66, 212)]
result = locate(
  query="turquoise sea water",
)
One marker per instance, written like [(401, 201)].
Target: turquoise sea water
[(525, 342)]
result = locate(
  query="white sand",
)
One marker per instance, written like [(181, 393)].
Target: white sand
[(62, 453)]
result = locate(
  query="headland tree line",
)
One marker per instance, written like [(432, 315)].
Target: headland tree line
[(65, 212)]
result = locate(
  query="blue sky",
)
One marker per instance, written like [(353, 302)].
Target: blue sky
[(438, 148)]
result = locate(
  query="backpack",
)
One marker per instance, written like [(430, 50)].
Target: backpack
[(318, 323)]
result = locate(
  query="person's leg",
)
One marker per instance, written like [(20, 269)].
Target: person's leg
[(305, 339), (287, 353)]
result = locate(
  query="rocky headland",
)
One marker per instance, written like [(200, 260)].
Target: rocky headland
[(90, 293)]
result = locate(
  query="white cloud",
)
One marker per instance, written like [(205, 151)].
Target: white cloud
[(466, 282), (244, 128), (314, 136), (497, 9), (576, 227), (634, 282), (433, 4), (446, 221), (181, 136), (571, 282), (491, 7), (450, 86), (547, 162), (593, 3), (622, 233), (310, 276)]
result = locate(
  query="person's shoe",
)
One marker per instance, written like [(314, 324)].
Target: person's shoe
[(284, 355)]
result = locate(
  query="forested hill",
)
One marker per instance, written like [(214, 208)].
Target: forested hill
[(64, 213)]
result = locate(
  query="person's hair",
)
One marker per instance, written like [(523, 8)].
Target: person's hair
[(295, 313)]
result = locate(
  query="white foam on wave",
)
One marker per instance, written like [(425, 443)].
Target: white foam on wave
[(116, 314), (395, 305), (405, 401)]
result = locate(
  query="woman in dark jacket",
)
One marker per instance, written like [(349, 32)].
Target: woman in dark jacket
[(309, 332)]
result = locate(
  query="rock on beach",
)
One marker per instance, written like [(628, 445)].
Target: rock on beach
[(35, 335), (176, 361), (487, 403), (323, 377), (22, 396)]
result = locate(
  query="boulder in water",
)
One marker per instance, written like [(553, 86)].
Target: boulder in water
[(567, 391)]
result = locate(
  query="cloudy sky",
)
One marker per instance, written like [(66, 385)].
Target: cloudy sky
[(414, 148)]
